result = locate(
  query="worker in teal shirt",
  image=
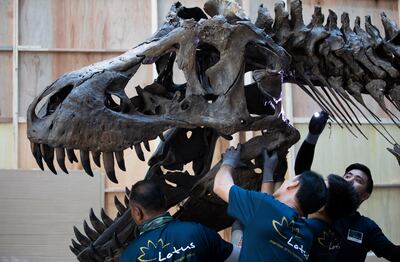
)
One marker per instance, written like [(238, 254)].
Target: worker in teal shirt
[(274, 227), (163, 238)]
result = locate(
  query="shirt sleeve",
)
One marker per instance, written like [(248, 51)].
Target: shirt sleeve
[(243, 204), (377, 240), (219, 248)]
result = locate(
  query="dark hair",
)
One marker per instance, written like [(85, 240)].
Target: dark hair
[(148, 195), (312, 193), (366, 171), (343, 199)]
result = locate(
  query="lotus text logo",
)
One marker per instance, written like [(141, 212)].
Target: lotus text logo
[(151, 246)]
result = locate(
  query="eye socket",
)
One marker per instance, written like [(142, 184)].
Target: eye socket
[(51, 102)]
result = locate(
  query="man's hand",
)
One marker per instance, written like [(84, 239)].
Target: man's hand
[(270, 163), (231, 157), (318, 122)]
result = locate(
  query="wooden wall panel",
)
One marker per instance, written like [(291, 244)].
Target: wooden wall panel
[(337, 148), (383, 208), (38, 212), (87, 24), (6, 22), (6, 142), (5, 86)]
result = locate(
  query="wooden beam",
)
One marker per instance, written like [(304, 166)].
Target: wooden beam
[(15, 82)]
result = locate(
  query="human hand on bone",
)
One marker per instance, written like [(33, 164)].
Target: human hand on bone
[(231, 157)]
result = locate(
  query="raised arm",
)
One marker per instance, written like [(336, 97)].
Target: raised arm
[(223, 179), (305, 156)]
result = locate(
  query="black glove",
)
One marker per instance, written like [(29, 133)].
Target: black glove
[(231, 157), (317, 123), (270, 163)]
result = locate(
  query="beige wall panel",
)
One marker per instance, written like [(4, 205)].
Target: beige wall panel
[(38, 70), (383, 207), (354, 8), (6, 142), (30, 229), (85, 24), (337, 148), (6, 22), (5, 86)]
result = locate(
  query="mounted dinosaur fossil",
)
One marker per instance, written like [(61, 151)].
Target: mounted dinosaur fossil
[(333, 66)]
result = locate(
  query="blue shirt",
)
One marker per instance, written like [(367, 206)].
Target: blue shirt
[(178, 241), (326, 243), (273, 231), (358, 235)]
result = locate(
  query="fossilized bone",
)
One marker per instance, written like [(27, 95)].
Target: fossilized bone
[(333, 66)]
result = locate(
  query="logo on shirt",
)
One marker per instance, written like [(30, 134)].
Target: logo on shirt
[(328, 240), (355, 236), (289, 232), (159, 251)]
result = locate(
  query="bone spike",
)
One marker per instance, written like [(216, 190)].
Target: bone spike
[(77, 246), (106, 219), (74, 250), (139, 152), (119, 156), (331, 22), (120, 207), (96, 158), (96, 223), (126, 201), (146, 145), (71, 156), (48, 156), (391, 29), (81, 237), (60, 156), (86, 162), (92, 234), (35, 148), (162, 137), (127, 191), (108, 161)]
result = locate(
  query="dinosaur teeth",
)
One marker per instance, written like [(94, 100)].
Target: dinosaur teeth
[(83, 240), (96, 158), (60, 156), (71, 156), (120, 207), (119, 156), (35, 148), (139, 152), (106, 219), (146, 145), (108, 161), (86, 162), (48, 156)]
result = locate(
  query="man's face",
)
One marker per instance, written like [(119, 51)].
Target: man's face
[(359, 181)]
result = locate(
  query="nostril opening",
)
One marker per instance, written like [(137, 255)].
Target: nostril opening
[(243, 122)]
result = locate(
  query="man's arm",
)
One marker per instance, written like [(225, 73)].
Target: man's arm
[(305, 156), (223, 180), (381, 245)]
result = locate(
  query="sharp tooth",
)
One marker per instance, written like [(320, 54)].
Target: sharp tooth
[(86, 162), (96, 223), (162, 137), (108, 161), (119, 156), (82, 239), (93, 235), (71, 156), (96, 158), (48, 156), (146, 145), (74, 250), (60, 156), (139, 152), (127, 191), (126, 201), (106, 219), (77, 245), (35, 148)]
